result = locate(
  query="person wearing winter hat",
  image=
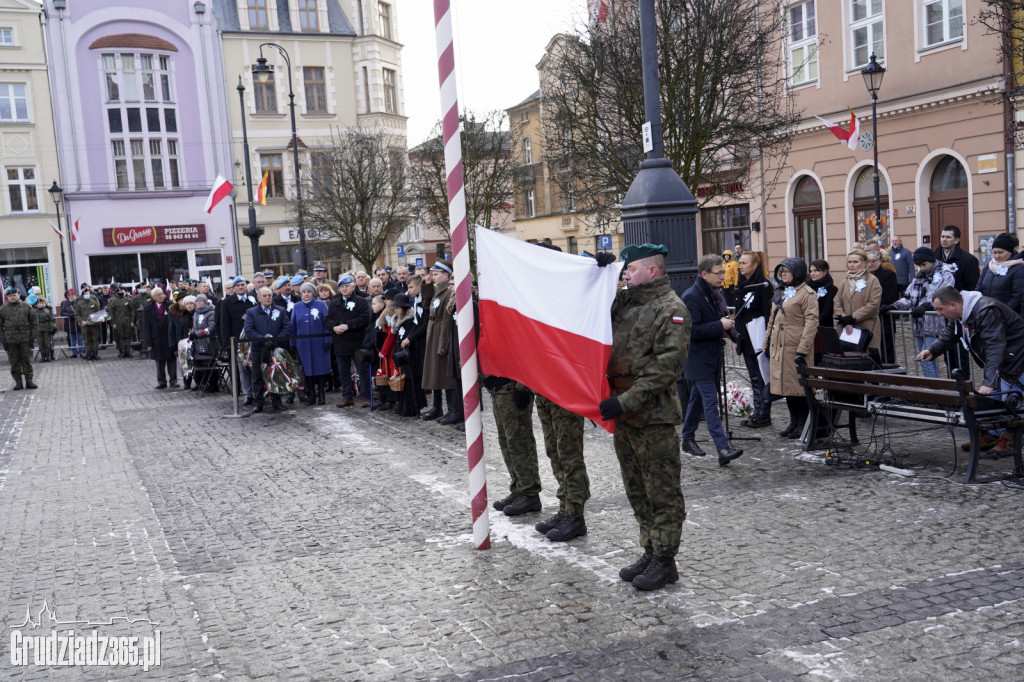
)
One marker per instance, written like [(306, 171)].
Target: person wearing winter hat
[(1003, 277)]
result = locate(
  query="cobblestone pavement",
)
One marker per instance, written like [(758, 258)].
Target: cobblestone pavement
[(335, 545)]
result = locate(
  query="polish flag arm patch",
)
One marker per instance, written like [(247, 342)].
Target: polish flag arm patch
[(679, 320)]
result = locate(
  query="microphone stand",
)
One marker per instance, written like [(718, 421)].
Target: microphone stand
[(723, 401)]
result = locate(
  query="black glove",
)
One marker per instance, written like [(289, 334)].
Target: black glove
[(269, 345), (605, 259), (521, 398), (918, 312), (610, 408), (886, 308), (800, 359), (192, 335), (847, 321)]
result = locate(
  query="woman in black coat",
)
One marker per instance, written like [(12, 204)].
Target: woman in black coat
[(890, 294), (404, 323), (820, 280), (1003, 278)]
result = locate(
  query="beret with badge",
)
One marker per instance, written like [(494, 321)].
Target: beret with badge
[(640, 251)]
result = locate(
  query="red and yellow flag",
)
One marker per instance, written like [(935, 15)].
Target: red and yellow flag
[(261, 191)]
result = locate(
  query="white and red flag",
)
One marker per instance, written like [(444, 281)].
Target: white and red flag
[(57, 230), (221, 188), (545, 321), (74, 232), (848, 137)]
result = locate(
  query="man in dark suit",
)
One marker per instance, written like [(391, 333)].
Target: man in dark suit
[(156, 340), (268, 326), (348, 316), (711, 321), (231, 318)]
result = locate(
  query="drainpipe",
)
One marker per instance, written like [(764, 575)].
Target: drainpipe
[(1009, 125)]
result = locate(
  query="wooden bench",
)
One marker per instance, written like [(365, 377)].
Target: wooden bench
[(950, 402)]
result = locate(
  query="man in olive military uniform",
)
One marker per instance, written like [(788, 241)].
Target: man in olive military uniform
[(18, 326), (650, 342), (140, 300), (563, 443), (122, 319), (46, 328), (512, 404), (86, 305)]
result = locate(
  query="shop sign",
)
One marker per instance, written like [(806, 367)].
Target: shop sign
[(712, 190), (158, 234)]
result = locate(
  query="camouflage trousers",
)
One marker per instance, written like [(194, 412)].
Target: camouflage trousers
[(91, 333), (515, 437), (20, 355), (563, 442), (45, 345), (649, 460), (123, 337)]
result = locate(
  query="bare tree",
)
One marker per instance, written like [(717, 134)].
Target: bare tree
[(1005, 19), (724, 107), (486, 165), (355, 193)]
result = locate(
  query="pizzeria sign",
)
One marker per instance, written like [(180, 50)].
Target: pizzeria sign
[(158, 234)]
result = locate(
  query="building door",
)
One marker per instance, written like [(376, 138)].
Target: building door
[(947, 201), (208, 265), (808, 220)]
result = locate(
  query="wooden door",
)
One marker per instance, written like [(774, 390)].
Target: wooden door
[(948, 210), (810, 240)]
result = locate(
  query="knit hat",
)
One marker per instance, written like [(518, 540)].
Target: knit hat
[(186, 300), (201, 298), (1003, 241), (307, 287), (923, 254)]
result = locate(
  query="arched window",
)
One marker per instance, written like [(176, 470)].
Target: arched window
[(947, 200), (807, 219), (864, 205)]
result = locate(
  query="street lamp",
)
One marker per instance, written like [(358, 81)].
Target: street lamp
[(254, 231), (57, 194), (263, 72), (872, 74)]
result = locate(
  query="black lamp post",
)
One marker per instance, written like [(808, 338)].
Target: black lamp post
[(57, 194), (873, 73), (659, 208), (254, 231), (263, 73)]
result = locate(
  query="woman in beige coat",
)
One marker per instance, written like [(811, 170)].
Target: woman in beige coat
[(859, 298), (792, 327)]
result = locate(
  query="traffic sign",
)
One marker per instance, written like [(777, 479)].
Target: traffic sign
[(401, 250), (604, 241)]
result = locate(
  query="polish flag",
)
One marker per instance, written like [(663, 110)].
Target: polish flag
[(221, 188), (599, 12), (545, 321), (848, 137), (74, 232), (55, 229)]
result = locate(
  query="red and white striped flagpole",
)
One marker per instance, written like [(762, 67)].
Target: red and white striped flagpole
[(463, 276)]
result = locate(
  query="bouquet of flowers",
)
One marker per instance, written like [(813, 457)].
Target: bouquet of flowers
[(283, 374), (97, 318), (739, 399), (185, 358), (244, 352)]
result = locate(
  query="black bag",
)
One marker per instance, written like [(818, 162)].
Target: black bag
[(401, 357), (855, 363), (859, 347)]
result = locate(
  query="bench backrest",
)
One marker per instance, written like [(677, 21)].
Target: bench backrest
[(951, 392)]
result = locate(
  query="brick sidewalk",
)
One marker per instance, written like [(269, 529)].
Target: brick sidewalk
[(335, 544)]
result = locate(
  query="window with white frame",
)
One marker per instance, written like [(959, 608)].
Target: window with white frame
[(21, 189), (6, 36), (527, 151), (316, 89), (384, 9), (867, 31), (257, 14), (943, 21), (390, 91), (803, 43), (531, 207), (307, 16), (13, 102), (142, 121)]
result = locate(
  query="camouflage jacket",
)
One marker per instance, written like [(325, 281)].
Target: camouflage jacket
[(17, 322), (45, 317), (140, 300), (122, 311), (650, 342), (85, 308)]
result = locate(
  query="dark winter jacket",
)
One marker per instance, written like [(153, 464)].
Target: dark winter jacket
[(354, 312), (994, 334), (965, 269), (1006, 284), (825, 289), (752, 304), (231, 316), (706, 333)]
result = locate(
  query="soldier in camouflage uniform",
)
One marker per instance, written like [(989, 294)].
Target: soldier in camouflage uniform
[(650, 341), (45, 329), (563, 442), (512, 404), (122, 319), (86, 305), (18, 326)]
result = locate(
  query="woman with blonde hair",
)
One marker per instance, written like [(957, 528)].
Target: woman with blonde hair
[(859, 298)]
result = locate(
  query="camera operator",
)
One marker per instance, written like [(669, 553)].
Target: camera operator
[(711, 322), (753, 304)]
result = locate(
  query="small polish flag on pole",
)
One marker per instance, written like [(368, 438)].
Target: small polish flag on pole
[(221, 188), (848, 137), (74, 232), (59, 233)]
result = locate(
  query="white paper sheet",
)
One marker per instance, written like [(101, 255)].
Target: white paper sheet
[(756, 330), (853, 337)]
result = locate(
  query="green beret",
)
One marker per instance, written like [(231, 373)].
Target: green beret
[(638, 251), (10, 290)]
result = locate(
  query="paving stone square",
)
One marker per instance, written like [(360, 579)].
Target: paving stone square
[(335, 544)]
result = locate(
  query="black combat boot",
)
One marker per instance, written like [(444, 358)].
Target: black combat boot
[(660, 572), (571, 527), (524, 504), (638, 566), (30, 384), (544, 526), (504, 502), (18, 386)]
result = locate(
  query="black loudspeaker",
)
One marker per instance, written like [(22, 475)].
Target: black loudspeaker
[(440, 251), (755, 226)]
